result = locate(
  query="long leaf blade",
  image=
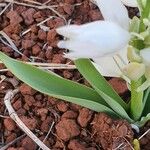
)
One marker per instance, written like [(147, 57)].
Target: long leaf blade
[(97, 80), (146, 102), (55, 86), (102, 87)]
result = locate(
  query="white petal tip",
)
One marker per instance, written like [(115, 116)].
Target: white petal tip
[(61, 44), (59, 30)]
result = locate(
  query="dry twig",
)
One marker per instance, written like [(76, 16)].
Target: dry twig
[(144, 134), (47, 66), (5, 9), (9, 95), (11, 44), (2, 78), (50, 129), (2, 116), (12, 142), (3, 4), (39, 24)]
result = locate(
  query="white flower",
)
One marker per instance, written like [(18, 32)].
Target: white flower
[(93, 40), (100, 40)]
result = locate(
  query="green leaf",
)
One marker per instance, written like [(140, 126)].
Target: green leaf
[(146, 102), (52, 85), (136, 102), (99, 83), (143, 120)]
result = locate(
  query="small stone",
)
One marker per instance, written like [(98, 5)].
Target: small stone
[(42, 34), (70, 115), (67, 74), (11, 137), (36, 50), (76, 145), (43, 113), (68, 9), (31, 123), (28, 144), (67, 129), (119, 85), (46, 124), (62, 106), (84, 117), (58, 22), (51, 36), (52, 100), (29, 100), (58, 58), (38, 14), (26, 44), (12, 29), (9, 124), (95, 15), (34, 29), (17, 105), (14, 17), (69, 1), (26, 90), (28, 16)]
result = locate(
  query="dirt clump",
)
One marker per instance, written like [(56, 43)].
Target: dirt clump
[(70, 114), (14, 17), (67, 129), (26, 90), (62, 106), (28, 144), (42, 35), (119, 85), (111, 133), (84, 117), (76, 145), (31, 123), (9, 124), (28, 16)]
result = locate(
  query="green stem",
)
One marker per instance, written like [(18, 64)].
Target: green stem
[(144, 14), (137, 97), (136, 100)]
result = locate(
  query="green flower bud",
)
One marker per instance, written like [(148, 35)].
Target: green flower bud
[(134, 25)]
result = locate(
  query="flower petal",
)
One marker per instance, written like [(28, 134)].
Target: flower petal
[(95, 39), (111, 67), (130, 3), (115, 11), (145, 53), (68, 30), (107, 67)]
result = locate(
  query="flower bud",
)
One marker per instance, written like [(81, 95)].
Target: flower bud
[(134, 70), (133, 55)]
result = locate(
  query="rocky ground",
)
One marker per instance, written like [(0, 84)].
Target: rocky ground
[(66, 126)]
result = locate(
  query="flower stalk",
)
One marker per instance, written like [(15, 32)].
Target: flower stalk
[(136, 107), (136, 104)]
